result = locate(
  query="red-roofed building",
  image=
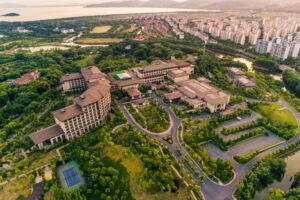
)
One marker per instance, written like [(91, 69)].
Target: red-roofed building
[(27, 78)]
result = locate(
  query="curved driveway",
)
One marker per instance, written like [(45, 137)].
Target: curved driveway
[(211, 190)]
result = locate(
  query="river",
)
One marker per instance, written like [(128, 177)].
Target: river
[(291, 169), (44, 13)]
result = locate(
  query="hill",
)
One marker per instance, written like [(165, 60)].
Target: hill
[(292, 5)]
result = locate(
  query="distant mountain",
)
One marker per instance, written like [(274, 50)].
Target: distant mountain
[(11, 5), (157, 3), (290, 5)]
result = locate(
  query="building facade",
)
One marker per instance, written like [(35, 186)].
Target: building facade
[(158, 70), (88, 111), (27, 78), (79, 81)]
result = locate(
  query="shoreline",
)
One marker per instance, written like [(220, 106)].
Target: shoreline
[(71, 12)]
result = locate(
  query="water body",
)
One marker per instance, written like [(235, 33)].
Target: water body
[(249, 65), (245, 61), (291, 169), (44, 13)]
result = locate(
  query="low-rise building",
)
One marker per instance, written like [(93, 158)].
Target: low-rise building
[(178, 75), (124, 80), (201, 95), (245, 83), (240, 79), (173, 96), (235, 73), (134, 93), (157, 71), (27, 78)]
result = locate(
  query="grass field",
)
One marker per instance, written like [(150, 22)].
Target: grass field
[(132, 28), (100, 29), (13, 190), (132, 163), (99, 40), (277, 114), (135, 169), (86, 61)]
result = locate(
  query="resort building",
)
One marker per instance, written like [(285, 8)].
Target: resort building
[(27, 78), (79, 81), (124, 80), (240, 79), (178, 75), (134, 93), (157, 72), (89, 110), (200, 95)]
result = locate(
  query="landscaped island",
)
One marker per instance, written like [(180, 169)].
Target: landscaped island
[(150, 116), (11, 15)]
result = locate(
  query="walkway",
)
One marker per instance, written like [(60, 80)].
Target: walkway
[(211, 190)]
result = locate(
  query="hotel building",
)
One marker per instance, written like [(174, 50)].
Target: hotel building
[(157, 72), (200, 94), (79, 81), (89, 110)]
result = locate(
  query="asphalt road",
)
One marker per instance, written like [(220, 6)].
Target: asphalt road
[(210, 189)]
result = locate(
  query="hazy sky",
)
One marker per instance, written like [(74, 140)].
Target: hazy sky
[(55, 2)]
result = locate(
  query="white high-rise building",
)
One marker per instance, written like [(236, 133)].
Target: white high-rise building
[(263, 46), (280, 51), (295, 49)]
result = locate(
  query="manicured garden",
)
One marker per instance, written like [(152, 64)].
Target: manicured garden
[(276, 118), (152, 117), (277, 114)]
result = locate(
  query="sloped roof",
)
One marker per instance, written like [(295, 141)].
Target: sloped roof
[(46, 134), (90, 73)]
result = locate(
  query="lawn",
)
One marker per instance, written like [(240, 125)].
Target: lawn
[(99, 40), (132, 28), (86, 61), (131, 162), (13, 190), (100, 29), (276, 114), (135, 169)]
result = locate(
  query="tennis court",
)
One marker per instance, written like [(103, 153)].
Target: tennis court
[(70, 176)]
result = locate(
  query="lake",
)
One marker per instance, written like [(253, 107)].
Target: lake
[(245, 61), (44, 13), (249, 64), (291, 169)]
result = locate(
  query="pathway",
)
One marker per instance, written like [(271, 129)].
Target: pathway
[(209, 187)]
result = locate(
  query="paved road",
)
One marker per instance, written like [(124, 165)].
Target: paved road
[(211, 190), (225, 192)]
